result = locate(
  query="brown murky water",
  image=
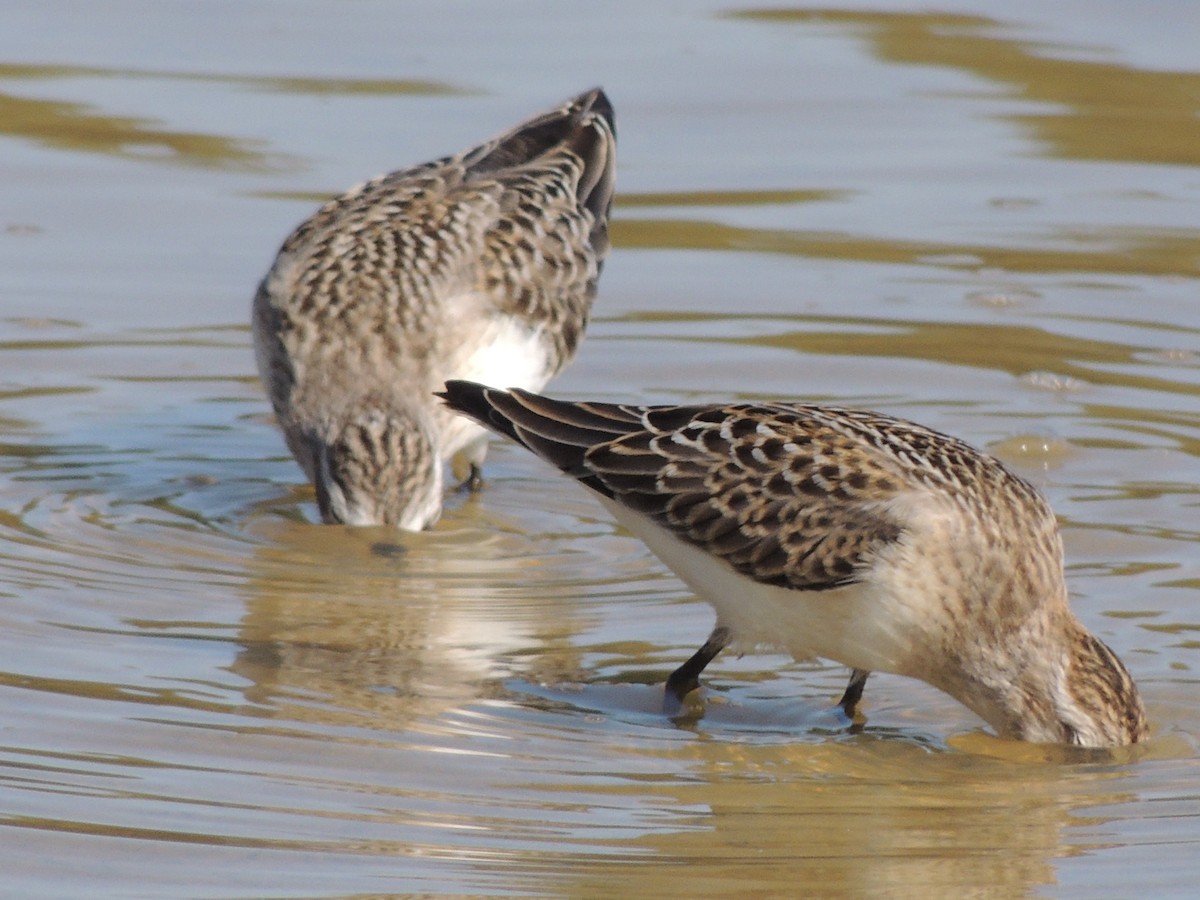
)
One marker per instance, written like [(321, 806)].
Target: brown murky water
[(984, 218)]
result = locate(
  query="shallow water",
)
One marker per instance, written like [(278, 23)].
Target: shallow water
[(983, 218)]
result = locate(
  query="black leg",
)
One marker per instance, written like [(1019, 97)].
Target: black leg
[(474, 479), (854, 692), (686, 678)]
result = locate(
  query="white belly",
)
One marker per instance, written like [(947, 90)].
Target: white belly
[(861, 625), (506, 353)]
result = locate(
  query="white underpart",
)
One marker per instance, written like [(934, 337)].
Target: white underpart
[(506, 353), (876, 624)]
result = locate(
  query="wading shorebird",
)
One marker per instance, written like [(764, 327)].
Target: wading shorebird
[(848, 535), (481, 265)]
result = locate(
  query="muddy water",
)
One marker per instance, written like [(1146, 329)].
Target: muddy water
[(984, 219)]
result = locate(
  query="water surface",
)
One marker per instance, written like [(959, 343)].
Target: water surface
[(983, 217)]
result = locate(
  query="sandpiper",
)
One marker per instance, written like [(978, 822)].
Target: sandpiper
[(849, 535), (481, 265)]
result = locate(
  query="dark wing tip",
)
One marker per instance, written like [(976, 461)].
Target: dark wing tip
[(569, 122), (595, 144), (596, 102), (463, 396), (559, 431), (472, 400)]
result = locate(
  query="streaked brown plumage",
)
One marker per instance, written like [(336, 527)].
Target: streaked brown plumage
[(481, 265), (850, 535)]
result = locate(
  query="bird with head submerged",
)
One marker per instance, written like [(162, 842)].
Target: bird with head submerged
[(849, 535), (481, 265)]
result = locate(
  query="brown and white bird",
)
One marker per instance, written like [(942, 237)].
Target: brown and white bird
[(481, 265), (849, 535)]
